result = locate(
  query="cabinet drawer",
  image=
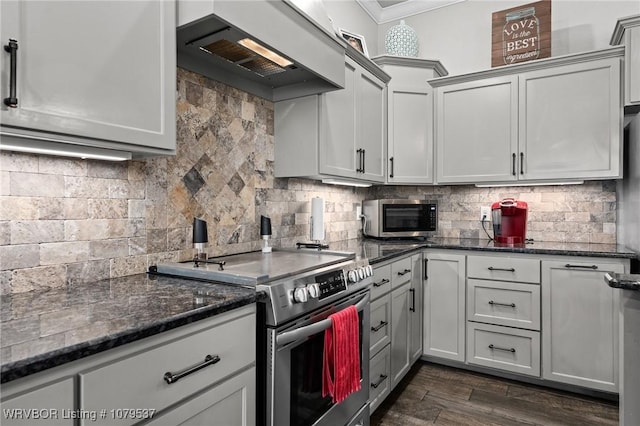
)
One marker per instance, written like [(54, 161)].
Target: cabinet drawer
[(508, 349), (381, 281), (379, 377), (400, 272), (504, 268), (138, 381), (504, 303), (380, 324)]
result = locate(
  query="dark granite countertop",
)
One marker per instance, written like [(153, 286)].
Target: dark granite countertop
[(44, 329), (380, 250), (623, 281)]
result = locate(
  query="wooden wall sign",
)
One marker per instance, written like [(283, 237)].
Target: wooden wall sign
[(521, 33)]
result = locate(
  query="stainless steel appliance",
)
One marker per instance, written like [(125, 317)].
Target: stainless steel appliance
[(302, 287), (390, 218)]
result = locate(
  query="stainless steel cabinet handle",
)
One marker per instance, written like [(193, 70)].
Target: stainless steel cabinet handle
[(491, 302), (498, 348), (379, 382), (594, 267), (405, 272), (12, 48), (491, 268), (379, 326), (391, 161), (208, 360), (381, 282), (513, 164)]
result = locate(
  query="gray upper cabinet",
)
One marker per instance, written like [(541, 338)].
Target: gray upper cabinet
[(532, 122), (340, 134), (97, 73), (627, 33), (410, 118), (477, 130)]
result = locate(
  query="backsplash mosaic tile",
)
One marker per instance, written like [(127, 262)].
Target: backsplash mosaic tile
[(63, 221)]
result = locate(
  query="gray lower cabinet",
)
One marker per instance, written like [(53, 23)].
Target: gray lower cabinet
[(380, 380), (415, 309), (231, 402), (50, 404), (97, 73), (396, 324), (127, 385), (444, 305), (401, 275), (580, 322)]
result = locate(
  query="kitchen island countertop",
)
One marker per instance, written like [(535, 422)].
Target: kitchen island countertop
[(44, 329)]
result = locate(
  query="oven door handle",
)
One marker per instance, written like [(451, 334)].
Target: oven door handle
[(315, 328)]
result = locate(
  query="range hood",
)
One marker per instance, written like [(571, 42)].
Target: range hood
[(269, 48)]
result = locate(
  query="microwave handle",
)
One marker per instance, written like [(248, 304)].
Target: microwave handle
[(315, 328)]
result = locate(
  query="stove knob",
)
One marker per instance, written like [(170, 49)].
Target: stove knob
[(352, 276), (368, 270), (313, 290), (361, 273), (300, 295)]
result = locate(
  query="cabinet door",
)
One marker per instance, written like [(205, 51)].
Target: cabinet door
[(400, 332), (410, 145), (570, 122), (444, 306), (477, 131), (371, 106), (632, 65), (101, 70), (232, 402), (338, 127), (580, 324), (52, 405), (415, 309)]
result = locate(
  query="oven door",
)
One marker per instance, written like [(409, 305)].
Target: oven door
[(294, 372)]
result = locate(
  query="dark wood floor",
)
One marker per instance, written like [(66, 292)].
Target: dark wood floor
[(434, 394)]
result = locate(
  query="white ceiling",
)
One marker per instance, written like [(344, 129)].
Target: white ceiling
[(391, 10)]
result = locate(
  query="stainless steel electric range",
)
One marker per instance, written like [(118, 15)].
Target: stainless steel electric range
[(302, 287)]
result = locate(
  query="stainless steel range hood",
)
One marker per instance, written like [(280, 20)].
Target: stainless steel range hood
[(218, 39)]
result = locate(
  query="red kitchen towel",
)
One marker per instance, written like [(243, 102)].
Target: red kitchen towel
[(341, 364)]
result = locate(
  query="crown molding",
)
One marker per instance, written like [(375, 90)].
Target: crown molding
[(401, 10)]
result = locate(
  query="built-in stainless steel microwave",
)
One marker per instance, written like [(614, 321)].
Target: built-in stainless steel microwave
[(399, 218)]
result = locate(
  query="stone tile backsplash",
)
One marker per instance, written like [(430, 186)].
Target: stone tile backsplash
[(64, 221)]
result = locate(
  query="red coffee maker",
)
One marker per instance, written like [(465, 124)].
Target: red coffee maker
[(509, 218)]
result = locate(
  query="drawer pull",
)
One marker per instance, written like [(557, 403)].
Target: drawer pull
[(491, 268), (498, 348), (375, 385), (568, 265), (491, 302), (405, 272), (381, 283), (208, 360), (379, 326)]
